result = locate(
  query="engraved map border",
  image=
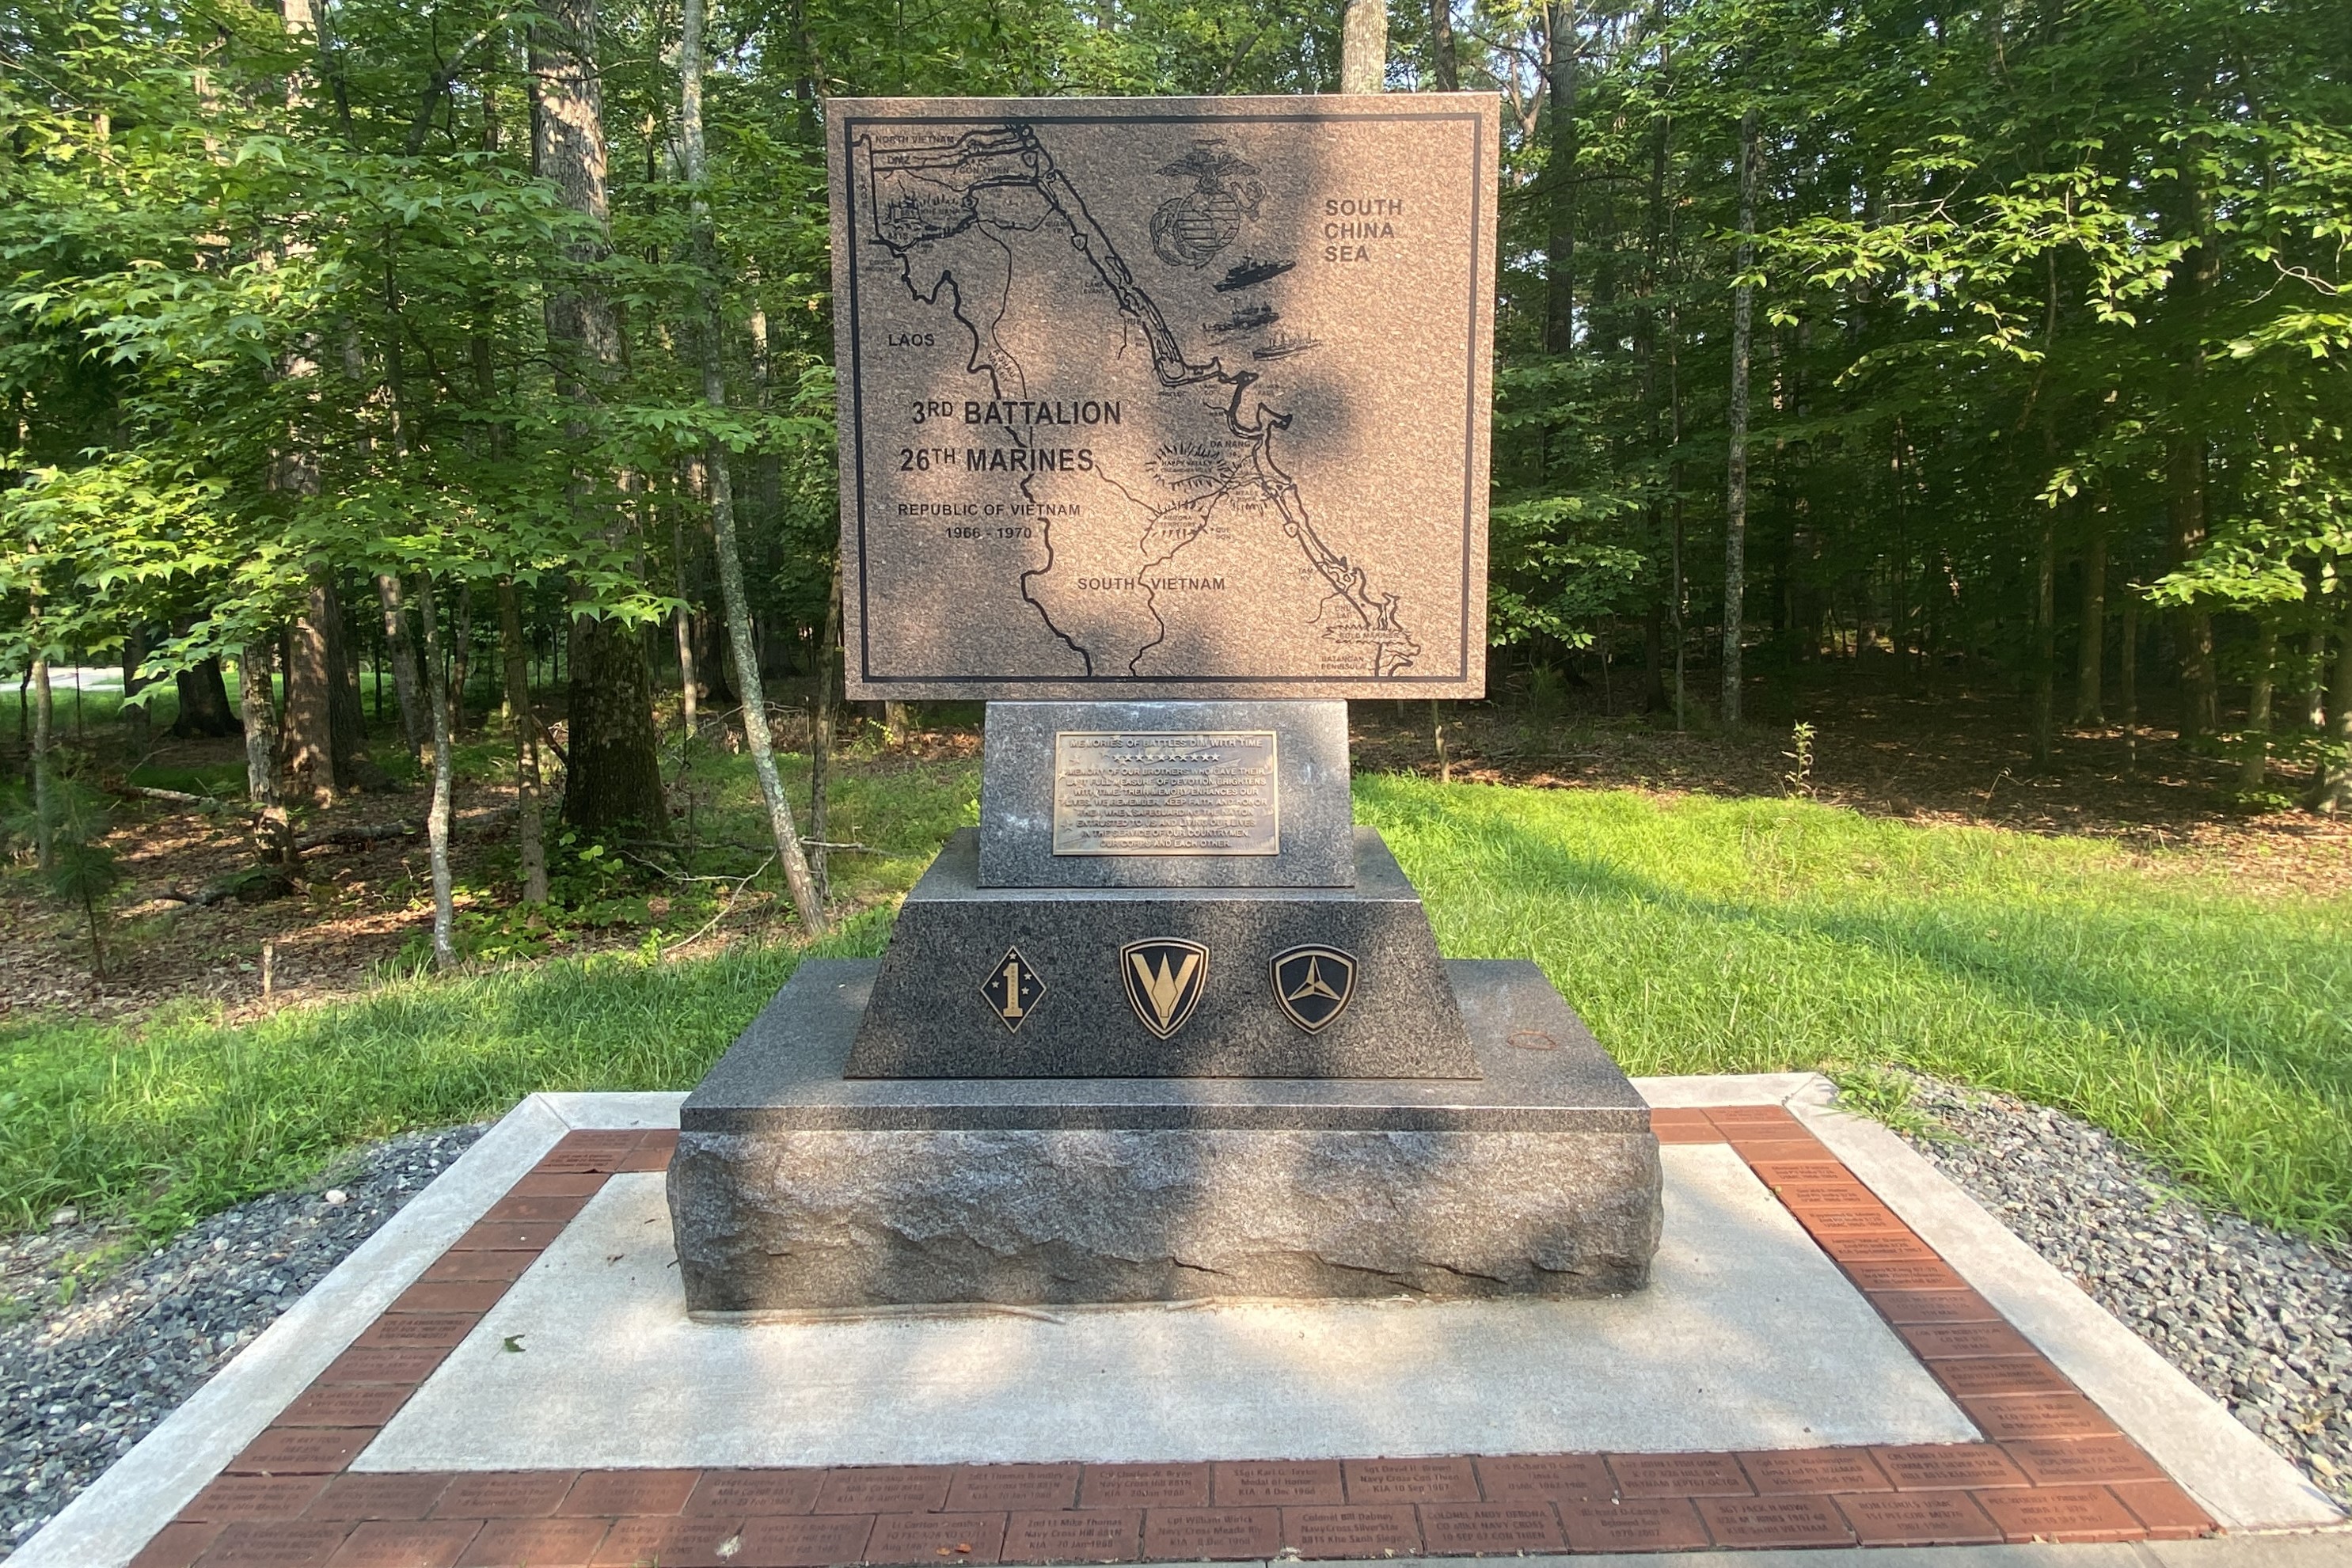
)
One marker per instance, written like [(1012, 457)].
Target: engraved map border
[(1467, 678)]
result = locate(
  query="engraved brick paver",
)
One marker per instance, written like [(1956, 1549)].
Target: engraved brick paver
[(1904, 1247), (1241, 1482), (579, 1153), (1754, 1118), (1490, 1529), (1786, 1520), (2060, 1513), (406, 1331), (254, 1497), (1210, 1534), (506, 1494), (1945, 1342), (884, 1489), (519, 1207), (275, 1544), (2003, 1417), (669, 1542), (1410, 1480), (2170, 1513), (1857, 1219), (1956, 1306), (745, 1493), (1986, 1374), (409, 1366), (559, 1183), (1802, 1195), (475, 1296), (1029, 1486), (2073, 1461), (1637, 1524), (178, 1544), (1922, 1467), (492, 1266), (345, 1405), (629, 1491), (1143, 1486), (1908, 1274), (301, 1450), (1073, 1535), (399, 1494), (936, 1538), (1918, 1518), (1815, 1470), (406, 1543), (1679, 1475), (508, 1236), (1549, 1478), (1352, 1531), (535, 1544), (805, 1540), (1777, 1174)]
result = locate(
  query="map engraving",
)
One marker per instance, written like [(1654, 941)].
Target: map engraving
[(1227, 440), (1166, 792)]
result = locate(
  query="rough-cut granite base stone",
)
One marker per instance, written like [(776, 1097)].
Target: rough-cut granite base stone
[(931, 1019), (1016, 796), (796, 1190)]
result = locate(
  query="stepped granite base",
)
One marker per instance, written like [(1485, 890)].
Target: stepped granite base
[(794, 1189)]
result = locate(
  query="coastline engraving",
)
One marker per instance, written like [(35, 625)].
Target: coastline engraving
[(1166, 792)]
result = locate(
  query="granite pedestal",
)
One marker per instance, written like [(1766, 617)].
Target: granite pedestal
[(795, 1189)]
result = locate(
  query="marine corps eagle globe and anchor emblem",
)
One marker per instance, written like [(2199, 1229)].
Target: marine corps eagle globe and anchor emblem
[(1313, 985), (1165, 978), (1191, 229)]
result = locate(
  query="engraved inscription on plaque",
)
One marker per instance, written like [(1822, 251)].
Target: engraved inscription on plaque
[(1166, 792)]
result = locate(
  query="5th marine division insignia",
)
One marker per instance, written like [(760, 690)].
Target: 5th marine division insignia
[(1011, 990), (1313, 985), (1164, 980)]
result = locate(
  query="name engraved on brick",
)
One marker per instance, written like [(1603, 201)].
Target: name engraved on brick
[(1166, 792)]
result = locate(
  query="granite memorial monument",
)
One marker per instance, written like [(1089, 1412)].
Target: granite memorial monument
[(1164, 430)]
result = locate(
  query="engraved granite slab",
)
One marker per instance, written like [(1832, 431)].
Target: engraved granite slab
[(1165, 397), (1230, 794), (1146, 982)]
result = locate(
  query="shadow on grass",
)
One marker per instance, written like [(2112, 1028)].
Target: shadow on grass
[(168, 1123), (2209, 1031)]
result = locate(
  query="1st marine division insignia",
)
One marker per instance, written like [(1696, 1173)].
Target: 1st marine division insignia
[(1012, 989), (1313, 985), (1164, 980)]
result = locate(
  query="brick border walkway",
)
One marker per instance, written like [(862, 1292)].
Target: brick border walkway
[(2055, 1469)]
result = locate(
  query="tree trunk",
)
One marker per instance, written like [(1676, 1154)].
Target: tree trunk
[(2314, 685), (1364, 46), (436, 817), (530, 833), (203, 702), (135, 727), (2090, 659), (306, 732), (2193, 625), (461, 657), (2045, 639), (682, 623), (2255, 770), (44, 809), (2129, 671), (614, 774), (1559, 180), (402, 649), (803, 881), (2334, 789), (1444, 71), (1735, 531), (271, 830), (352, 769)]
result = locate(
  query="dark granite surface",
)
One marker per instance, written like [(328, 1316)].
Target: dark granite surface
[(1016, 796), (929, 1018), (1543, 1073)]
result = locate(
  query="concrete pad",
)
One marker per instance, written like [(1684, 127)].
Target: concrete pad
[(1748, 1338), (2242, 1482)]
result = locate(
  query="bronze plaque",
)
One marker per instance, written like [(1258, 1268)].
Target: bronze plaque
[(1166, 792)]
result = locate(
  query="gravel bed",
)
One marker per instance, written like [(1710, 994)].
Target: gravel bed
[(2261, 1320), (86, 1371)]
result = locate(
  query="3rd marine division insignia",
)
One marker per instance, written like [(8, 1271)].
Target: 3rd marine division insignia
[(1012, 989), (1164, 980), (1313, 985)]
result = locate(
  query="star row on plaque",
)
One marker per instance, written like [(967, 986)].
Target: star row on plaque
[(1165, 976)]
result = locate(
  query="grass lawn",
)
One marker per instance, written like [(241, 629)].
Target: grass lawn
[(1698, 936)]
